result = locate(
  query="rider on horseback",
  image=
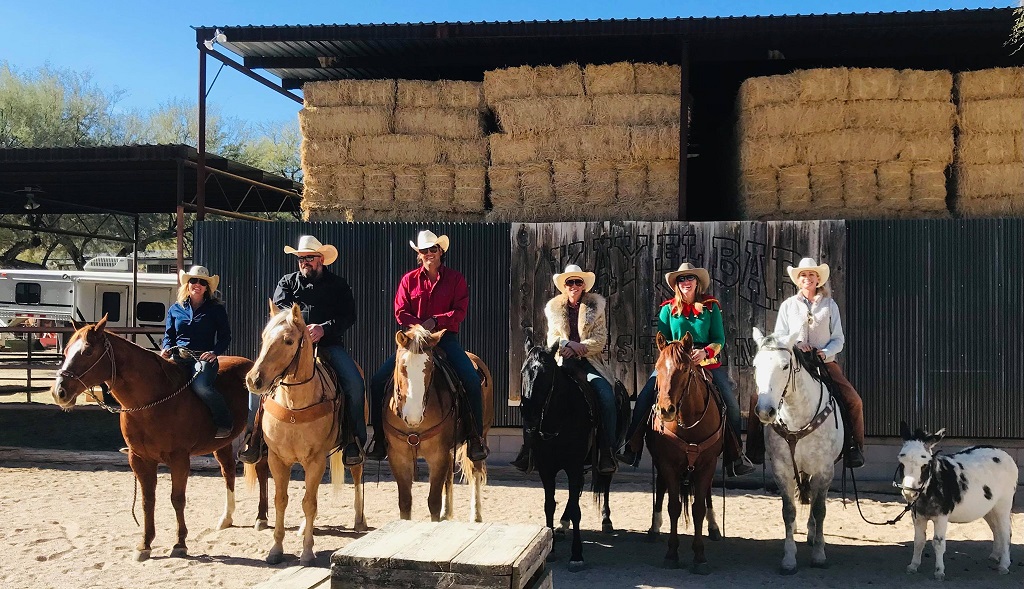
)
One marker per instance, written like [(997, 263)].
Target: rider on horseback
[(435, 297), (576, 323), (328, 309)]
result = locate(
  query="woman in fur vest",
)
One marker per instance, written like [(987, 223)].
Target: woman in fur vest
[(577, 326)]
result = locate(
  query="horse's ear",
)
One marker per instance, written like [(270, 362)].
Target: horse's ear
[(76, 325), (933, 439), (687, 342), (662, 342), (101, 323), (527, 339), (758, 337), (905, 432), (296, 312), (273, 308), (401, 339), (437, 335)]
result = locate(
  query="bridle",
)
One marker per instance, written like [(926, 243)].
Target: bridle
[(683, 395), (279, 379), (414, 439)]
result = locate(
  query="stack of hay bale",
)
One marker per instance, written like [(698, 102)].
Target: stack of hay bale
[(990, 146), (845, 143), (372, 147), (594, 143)]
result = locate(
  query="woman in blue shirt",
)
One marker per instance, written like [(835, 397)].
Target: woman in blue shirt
[(197, 331)]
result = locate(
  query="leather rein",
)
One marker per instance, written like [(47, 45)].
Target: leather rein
[(306, 414)]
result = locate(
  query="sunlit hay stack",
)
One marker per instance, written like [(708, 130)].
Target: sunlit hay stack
[(350, 93), (529, 116), (529, 82), (463, 151), (653, 142), (860, 131), (447, 123), (448, 94), (329, 122), (409, 184), (615, 78), (348, 185), (760, 187), (470, 187), (635, 109), (505, 193), (990, 146), (651, 78), (439, 187)]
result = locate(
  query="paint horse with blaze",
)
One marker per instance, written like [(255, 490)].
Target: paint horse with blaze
[(303, 410), (421, 420), (976, 482), (805, 436), (162, 420), (685, 434)]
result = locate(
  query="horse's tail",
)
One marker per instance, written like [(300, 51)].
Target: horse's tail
[(251, 479), (337, 473), (686, 498), (470, 470), (600, 485), (803, 488)]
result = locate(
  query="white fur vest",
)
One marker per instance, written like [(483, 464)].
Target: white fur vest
[(592, 327)]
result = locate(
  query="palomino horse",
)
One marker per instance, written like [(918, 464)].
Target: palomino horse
[(685, 435), (556, 416), (422, 420), (805, 437), (161, 419), (300, 423)]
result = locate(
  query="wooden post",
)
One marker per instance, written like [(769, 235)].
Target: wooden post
[(684, 123), (201, 141)]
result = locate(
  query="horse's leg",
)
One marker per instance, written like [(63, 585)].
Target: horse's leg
[(714, 533), (701, 489), (145, 472), (920, 532), (226, 458), (573, 507), (262, 475), (939, 526), (447, 509), (357, 503), (547, 478), (439, 466), (817, 536), (314, 474), (606, 510), (477, 477), (789, 518), (659, 502), (281, 472), (403, 468), (999, 520), (179, 466), (675, 509)]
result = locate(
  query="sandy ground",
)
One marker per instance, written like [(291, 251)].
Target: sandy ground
[(71, 526)]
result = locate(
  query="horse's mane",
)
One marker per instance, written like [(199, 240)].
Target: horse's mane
[(419, 339), (815, 366)]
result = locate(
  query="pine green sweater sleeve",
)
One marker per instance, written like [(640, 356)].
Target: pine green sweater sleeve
[(663, 322), (717, 331)]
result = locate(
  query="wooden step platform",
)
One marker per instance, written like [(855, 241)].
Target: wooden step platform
[(422, 555), (298, 578)]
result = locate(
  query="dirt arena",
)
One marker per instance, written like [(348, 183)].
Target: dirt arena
[(71, 526)]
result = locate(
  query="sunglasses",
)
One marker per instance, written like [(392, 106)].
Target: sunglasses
[(431, 250), (574, 282), (686, 278), (198, 281), (309, 258)]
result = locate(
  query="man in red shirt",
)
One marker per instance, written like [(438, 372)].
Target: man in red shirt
[(436, 297)]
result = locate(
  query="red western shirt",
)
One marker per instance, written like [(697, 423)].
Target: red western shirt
[(418, 299)]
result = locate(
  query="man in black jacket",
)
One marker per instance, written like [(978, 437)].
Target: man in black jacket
[(328, 310)]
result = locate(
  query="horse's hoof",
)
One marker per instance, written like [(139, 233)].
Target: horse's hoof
[(559, 532), (224, 523), (307, 561), (261, 524), (361, 527), (179, 552), (940, 576), (608, 528), (1004, 570), (653, 536), (911, 569), (670, 563), (702, 568), (714, 535), (787, 571), (552, 557), (142, 555), (576, 566), (821, 564), (275, 557)]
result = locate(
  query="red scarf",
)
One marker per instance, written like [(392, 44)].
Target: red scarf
[(692, 309)]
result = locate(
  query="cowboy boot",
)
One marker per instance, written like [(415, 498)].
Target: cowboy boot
[(633, 450), (378, 444), (253, 447), (477, 450), (524, 460), (606, 461)]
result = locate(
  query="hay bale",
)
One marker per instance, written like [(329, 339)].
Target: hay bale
[(529, 82), (453, 94), (894, 184), (759, 185), (769, 152), (931, 147), (995, 206), (506, 149), (824, 148), (535, 183), (350, 93), (873, 84), (652, 78), (654, 142), (663, 182), (470, 186), (395, 149), (1007, 82), (409, 185), (463, 151), (528, 116), (378, 187), (902, 116), (823, 84), (989, 180), (928, 186), (323, 152), (795, 189), (599, 181), (923, 85), (349, 184), (504, 186), (439, 185), (860, 184), (590, 142), (567, 179), (613, 78), (652, 209), (786, 120), (635, 109), (755, 92), (997, 115), (448, 123), (631, 181), (826, 185), (989, 148), (330, 122)]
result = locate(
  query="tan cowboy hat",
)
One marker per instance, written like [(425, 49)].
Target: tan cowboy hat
[(574, 271), (200, 272), (311, 245), (808, 264), (427, 239), (687, 268)]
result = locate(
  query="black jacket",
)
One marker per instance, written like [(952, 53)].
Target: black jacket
[(327, 301)]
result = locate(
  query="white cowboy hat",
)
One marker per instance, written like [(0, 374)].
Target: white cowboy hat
[(311, 245), (574, 271), (808, 264), (687, 268), (427, 239), (200, 272)]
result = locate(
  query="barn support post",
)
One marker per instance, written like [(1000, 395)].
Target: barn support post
[(181, 216), (135, 274), (201, 140), (684, 123)]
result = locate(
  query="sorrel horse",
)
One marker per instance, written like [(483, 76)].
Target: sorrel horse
[(805, 437), (162, 420), (300, 423), (422, 420), (686, 434), (556, 416)]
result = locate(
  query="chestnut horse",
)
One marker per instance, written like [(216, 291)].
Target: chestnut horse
[(300, 423), (162, 420), (421, 420), (685, 436)]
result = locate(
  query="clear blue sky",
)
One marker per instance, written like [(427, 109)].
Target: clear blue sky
[(147, 47)]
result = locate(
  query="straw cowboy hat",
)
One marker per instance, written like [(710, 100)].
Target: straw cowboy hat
[(427, 239), (685, 269), (574, 271), (311, 245), (202, 273), (808, 264)]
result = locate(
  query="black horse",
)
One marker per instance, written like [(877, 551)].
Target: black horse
[(557, 420)]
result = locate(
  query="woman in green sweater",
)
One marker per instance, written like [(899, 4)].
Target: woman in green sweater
[(691, 311)]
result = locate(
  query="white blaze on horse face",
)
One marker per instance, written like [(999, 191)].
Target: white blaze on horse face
[(416, 375), (72, 352), (771, 374), (913, 456)]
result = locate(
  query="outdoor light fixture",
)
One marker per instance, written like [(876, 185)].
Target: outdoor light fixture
[(218, 37), (30, 197)]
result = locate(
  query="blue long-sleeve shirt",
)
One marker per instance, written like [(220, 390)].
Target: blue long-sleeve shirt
[(205, 330)]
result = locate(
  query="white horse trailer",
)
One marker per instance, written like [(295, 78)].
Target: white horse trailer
[(52, 298)]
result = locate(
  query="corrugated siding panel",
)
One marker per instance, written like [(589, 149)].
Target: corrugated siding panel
[(934, 315), (372, 257)]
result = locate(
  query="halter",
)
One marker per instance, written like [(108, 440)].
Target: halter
[(279, 380), (414, 439), (693, 450)]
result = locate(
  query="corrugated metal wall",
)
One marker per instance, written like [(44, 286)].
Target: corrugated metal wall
[(372, 257), (934, 314)]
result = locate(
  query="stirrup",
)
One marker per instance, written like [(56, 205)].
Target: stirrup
[(740, 467), (628, 456), (379, 451), (524, 461), (352, 454), (853, 457)]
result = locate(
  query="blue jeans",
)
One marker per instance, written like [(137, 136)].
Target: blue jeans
[(460, 362), (605, 405), (351, 382), (203, 385), (645, 400)]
